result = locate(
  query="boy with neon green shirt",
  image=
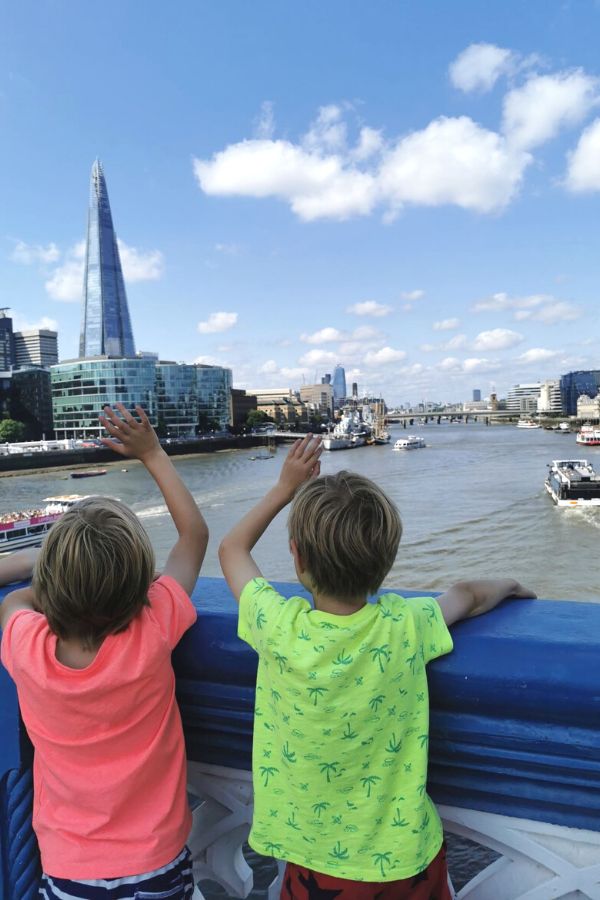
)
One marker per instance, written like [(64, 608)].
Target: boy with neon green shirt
[(342, 718)]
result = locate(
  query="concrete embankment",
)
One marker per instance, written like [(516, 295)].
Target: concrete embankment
[(37, 462)]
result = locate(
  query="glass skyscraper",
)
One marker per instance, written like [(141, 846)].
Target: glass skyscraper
[(106, 327), (339, 385)]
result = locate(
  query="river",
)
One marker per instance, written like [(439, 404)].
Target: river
[(472, 502)]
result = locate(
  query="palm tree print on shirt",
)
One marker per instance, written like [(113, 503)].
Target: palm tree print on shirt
[(339, 852), (282, 660), (368, 781), (318, 808), (380, 655), (343, 658), (382, 860), (267, 772), (375, 702), (393, 745), (315, 692), (328, 768), (289, 755)]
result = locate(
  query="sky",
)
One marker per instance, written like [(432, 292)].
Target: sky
[(410, 189)]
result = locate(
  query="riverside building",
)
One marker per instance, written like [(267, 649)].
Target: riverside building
[(574, 384), (178, 398), (339, 386), (523, 398), (549, 401)]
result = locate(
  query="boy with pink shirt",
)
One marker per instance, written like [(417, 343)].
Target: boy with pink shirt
[(89, 648)]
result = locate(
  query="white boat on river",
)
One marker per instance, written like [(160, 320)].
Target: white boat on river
[(27, 528), (410, 442), (573, 482)]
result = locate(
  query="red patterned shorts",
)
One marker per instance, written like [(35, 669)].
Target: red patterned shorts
[(431, 884)]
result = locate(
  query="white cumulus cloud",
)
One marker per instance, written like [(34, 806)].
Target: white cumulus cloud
[(550, 313), (535, 112), (537, 354), (383, 356), (479, 66), (453, 161), (456, 343), (480, 365), (269, 367), (411, 296), (537, 307), (323, 336), (27, 254), (139, 265), (369, 308), (583, 171), (497, 339), (218, 322), (318, 358), (315, 185), (20, 323), (446, 324)]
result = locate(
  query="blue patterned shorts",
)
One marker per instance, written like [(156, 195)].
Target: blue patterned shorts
[(171, 882)]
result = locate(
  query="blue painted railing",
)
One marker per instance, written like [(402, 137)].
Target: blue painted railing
[(515, 717)]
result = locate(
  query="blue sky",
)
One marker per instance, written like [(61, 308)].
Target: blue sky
[(411, 189)]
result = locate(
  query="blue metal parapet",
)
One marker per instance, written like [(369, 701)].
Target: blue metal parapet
[(515, 717)]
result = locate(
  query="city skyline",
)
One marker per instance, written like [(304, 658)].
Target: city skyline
[(418, 207)]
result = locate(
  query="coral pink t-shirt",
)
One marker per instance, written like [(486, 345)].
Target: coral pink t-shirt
[(109, 766)]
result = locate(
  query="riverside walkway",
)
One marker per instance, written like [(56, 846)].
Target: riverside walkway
[(514, 754)]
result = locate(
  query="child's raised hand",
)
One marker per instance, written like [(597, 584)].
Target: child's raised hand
[(301, 463), (128, 436)]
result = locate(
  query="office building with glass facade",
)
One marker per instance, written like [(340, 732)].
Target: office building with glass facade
[(179, 399), (106, 327), (574, 384), (339, 386), (176, 399), (80, 389), (214, 395)]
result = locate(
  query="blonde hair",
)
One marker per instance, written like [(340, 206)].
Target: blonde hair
[(347, 532), (94, 570)]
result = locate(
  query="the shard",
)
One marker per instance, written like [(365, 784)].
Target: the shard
[(106, 326)]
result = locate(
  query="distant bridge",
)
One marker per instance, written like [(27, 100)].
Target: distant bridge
[(489, 415)]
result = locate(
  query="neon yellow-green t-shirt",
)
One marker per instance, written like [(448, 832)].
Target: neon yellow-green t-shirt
[(341, 731)]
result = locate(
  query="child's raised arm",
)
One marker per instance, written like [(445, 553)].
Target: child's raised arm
[(137, 439), (473, 598), (235, 556)]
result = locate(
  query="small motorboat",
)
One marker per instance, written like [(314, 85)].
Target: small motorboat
[(89, 473)]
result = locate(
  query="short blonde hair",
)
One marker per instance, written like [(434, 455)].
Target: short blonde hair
[(347, 532), (94, 570)]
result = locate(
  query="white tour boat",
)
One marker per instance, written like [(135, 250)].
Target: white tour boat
[(573, 482), (27, 528), (589, 435), (527, 423), (410, 442)]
